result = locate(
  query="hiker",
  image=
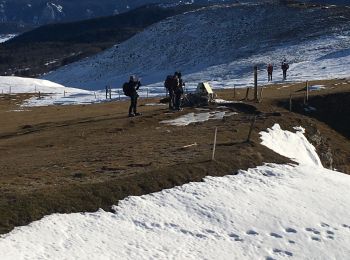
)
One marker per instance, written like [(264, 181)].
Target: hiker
[(284, 67), (178, 92), (130, 89), (269, 72), (171, 83)]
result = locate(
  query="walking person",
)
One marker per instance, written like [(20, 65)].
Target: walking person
[(285, 67), (130, 89), (178, 92), (269, 71)]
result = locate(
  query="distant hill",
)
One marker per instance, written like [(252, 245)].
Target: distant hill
[(50, 46), (26, 14), (105, 29), (220, 44)]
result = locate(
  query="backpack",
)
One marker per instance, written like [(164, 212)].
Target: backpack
[(168, 82), (126, 89)]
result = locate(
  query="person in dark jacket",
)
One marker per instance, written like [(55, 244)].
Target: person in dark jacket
[(178, 92), (171, 84), (284, 68), (133, 85), (269, 71)]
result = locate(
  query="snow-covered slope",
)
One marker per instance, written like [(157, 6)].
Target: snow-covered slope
[(221, 44), (6, 37), (53, 93), (269, 212)]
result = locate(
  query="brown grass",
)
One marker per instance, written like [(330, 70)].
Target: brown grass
[(85, 157)]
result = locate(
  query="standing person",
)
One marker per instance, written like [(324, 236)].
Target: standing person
[(171, 83), (269, 71), (284, 67), (178, 92), (130, 89)]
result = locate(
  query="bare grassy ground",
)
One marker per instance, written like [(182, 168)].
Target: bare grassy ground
[(81, 158)]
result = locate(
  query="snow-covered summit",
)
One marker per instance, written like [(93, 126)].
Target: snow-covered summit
[(220, 44)]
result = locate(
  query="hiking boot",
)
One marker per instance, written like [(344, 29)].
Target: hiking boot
[(131, 115), (138, 114)]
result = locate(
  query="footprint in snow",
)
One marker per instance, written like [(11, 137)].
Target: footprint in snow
[(324, 224), (235, 237), (201, 235), (282, 252), (275, 235), (291, 230), (252, 232), (316, 239), (313, 230), (330, 232)]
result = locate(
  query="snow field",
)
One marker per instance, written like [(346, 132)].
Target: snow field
[(269, 212)]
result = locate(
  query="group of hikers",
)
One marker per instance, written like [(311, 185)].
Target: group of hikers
[(284, 67), (174, 87), (173, 84)]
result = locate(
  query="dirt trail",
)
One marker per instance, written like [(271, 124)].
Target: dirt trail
[(85, 157)]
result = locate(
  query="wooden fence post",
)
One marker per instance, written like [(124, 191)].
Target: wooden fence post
[(110, 92), (261, 94), (246, 94), (256, 83), (234, 91), (307, 91), (214, 145)]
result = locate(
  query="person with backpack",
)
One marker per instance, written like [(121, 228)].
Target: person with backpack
[(269, 71), (178, 92), (171, 83), (284, 67), (130, 89)]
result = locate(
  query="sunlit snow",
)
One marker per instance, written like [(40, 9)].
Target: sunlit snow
[(269, 212)]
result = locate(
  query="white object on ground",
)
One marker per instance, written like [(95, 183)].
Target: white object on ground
[(197, 117), (316, 87)]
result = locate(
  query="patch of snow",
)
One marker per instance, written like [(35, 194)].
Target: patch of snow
[(197, 117), (316, 87), (6, 37), (301, 151), (50, 62), (269, 212), (223, 101), (155, 104), (58, 7), (310, 109)]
